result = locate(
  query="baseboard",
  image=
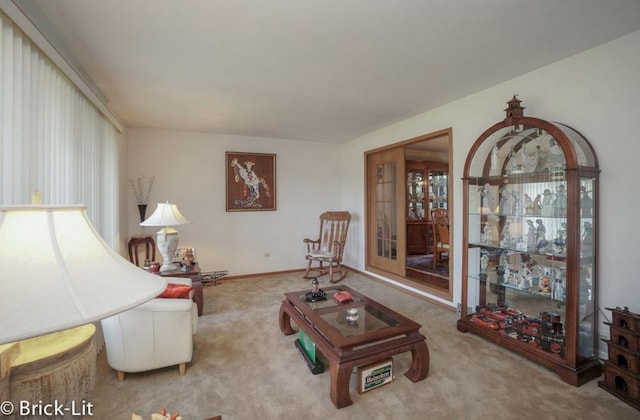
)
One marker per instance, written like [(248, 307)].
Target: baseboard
[(418, 295), (264, 274)]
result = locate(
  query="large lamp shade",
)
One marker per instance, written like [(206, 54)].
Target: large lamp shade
[(166, 214), (57, 273)]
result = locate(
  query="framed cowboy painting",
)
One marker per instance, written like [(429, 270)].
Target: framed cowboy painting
[(250, 181)]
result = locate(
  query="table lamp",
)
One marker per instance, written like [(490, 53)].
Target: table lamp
[(167, 215), (58, 273)]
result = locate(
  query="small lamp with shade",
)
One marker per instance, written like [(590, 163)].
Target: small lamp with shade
[(166, 215)]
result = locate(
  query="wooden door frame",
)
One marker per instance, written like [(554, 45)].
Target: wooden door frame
[(401, 209)]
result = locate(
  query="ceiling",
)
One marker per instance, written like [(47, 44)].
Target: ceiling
[(319, 70)]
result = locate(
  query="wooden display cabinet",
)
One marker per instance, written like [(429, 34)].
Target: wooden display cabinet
[(426, 190), (530, 243)]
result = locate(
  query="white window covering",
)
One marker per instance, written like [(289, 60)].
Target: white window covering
[(52, 138)]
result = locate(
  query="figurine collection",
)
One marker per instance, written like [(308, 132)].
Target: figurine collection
[(501, 204)]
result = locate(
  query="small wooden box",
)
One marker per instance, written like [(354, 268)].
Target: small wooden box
[(622, 369)]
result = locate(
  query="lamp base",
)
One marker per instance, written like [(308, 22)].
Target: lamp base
[(168, 267), (167, 242)]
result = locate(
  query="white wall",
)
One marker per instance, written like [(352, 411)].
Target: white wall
[(189, 170), (596, 92)]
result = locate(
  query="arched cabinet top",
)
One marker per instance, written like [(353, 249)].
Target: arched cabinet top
[(527, 145)]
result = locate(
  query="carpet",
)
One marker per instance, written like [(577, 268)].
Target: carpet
[(244, 368), (424, 263)]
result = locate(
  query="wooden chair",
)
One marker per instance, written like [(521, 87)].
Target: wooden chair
[(329, 246), (149, 249), (440, 219)]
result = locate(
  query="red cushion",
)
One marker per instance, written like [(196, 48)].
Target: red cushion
[(174, 290)]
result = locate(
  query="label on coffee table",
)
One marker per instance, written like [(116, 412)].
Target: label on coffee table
[(308, 346), (375, 375)]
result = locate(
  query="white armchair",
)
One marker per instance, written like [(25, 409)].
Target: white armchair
[(156, 334)]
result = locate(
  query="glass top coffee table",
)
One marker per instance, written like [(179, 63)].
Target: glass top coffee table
[(353, 334)]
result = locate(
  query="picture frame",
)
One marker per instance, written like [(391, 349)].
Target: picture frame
[(375, 375), (250, 181), (178, 256)]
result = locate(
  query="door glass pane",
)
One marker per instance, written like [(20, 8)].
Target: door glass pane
[(386, 210), (586, 302)]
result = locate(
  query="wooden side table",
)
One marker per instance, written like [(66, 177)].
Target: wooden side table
[(149, 248), (196, 282)]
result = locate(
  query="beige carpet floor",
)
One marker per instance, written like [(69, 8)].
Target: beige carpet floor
[(244, 368)]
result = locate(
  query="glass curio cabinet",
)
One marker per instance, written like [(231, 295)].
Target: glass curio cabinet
[(416, 190), (530, 243), (426, 190)]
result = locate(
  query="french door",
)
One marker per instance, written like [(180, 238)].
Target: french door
[(386, 190)]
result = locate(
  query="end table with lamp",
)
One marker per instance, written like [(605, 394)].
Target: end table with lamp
[(166, 216)]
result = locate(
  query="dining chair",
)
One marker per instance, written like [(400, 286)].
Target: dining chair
[(440, 218)]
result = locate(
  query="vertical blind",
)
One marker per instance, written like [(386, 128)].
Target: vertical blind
[(52, 138)]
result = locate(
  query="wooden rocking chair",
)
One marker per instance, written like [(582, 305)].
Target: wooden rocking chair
[(329, 246)]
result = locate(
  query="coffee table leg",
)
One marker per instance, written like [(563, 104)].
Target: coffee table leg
[(339, 387), (285, 321), (419, 362)]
